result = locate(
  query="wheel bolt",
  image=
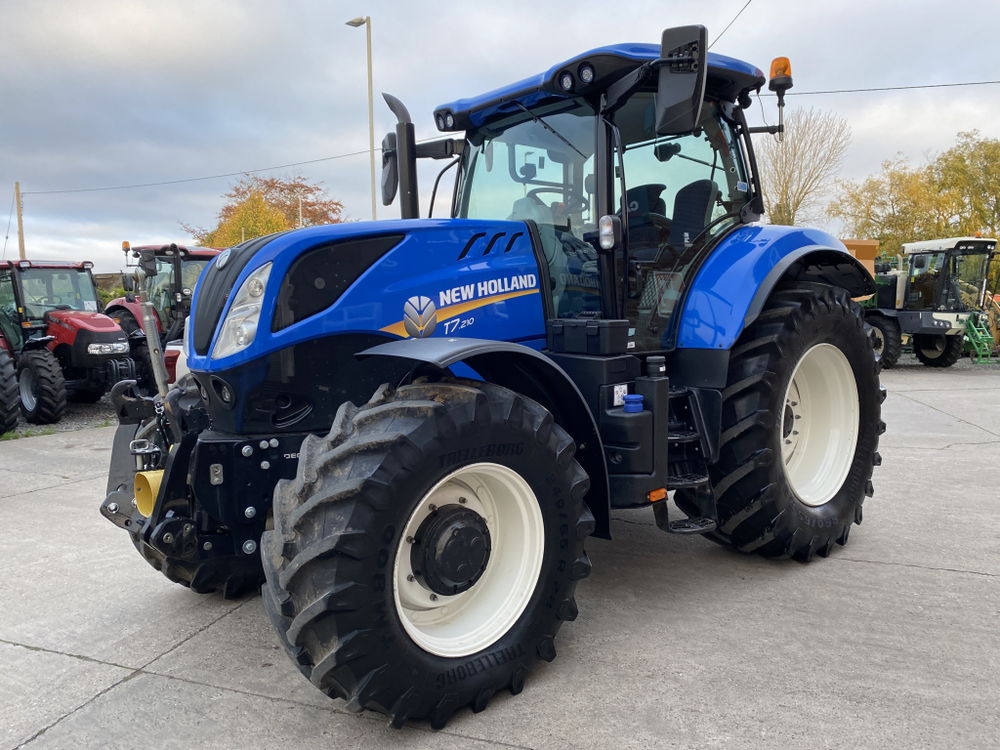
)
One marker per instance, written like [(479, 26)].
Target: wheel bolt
[(432, 507), (462, 500), (409, 540), (434, 597), (410, 578)]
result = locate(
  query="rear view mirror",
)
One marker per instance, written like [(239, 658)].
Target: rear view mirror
[(390, 169), (919, 262), (683, 69), (147, 262), (128, 284)]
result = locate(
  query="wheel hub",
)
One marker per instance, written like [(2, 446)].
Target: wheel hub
[(451, 550)]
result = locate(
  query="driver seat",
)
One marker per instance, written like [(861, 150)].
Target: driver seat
[(692, 211)]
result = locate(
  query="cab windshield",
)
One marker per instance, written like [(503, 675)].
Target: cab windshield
[(520, 170), (48, 289), (951, 280)]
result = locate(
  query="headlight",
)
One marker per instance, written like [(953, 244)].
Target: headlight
[(119, 348), (240, 326)]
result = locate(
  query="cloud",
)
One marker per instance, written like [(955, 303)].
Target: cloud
[(112, 93)]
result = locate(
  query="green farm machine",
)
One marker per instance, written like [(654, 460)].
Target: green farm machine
[(935, 295)]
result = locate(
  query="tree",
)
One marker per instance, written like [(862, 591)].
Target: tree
[(970, 171), (899, 204), (955, 194), (281, 197), (797, 171)]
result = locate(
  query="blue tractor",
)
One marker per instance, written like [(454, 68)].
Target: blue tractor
[(406, 430)]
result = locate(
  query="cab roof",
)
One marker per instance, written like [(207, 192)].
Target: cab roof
[(80, 265), (939, 246), (727, 78), (192, 250)]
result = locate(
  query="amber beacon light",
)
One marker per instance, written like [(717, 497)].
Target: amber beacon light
[(780, 82)]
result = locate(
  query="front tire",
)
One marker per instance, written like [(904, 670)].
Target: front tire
[(888, 339), (938, 350), (42, 387), (369, 592), (800, 427)]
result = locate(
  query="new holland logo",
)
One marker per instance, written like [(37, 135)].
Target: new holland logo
[(419, 317)]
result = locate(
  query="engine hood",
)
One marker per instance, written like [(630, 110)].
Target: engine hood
[(79, 320)]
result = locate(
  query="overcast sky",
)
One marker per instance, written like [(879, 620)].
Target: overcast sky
[(109, 92)]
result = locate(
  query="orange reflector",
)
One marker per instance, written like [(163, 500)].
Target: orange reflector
[(657, 495), (781, 68)]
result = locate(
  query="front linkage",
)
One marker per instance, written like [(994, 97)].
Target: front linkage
[(205, 534)]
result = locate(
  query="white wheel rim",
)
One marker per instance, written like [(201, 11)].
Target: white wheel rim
[(938, 344), (455, 626), (879, 340), (27, 387), (819, 426)]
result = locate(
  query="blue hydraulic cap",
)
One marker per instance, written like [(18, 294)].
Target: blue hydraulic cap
[(633, 403)]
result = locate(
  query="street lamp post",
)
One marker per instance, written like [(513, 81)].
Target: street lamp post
[(367, 23)]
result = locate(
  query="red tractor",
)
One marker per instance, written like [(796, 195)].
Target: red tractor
[(171, 277), (53, 334)]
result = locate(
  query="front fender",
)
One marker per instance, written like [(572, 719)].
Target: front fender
[(732, 286), (534, 375)]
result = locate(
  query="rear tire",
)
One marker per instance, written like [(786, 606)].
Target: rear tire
[(42, 387), (938, 350), (806, 360), (352, 608), (8, 392), (888, 339)]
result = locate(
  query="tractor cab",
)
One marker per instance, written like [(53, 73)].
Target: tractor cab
[(947, 275), (934, 295)]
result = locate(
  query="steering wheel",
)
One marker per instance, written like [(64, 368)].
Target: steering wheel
[(50, 300), (575, 202)]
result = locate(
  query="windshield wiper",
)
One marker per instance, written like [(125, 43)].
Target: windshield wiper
[(548, 127)]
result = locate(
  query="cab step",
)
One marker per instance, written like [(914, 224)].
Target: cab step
[(686, 481), (698, 525), (692, 526)]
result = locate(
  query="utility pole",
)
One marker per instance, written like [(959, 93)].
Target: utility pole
[(20, 221), (300, 210)]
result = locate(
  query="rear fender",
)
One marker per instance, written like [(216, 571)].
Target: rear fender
[(733, 284), (534, 375)]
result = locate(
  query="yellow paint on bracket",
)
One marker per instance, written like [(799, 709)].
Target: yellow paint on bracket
[(147, 487), (446, 313)]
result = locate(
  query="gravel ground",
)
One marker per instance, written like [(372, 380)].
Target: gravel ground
[(102, 414), (77, 417)]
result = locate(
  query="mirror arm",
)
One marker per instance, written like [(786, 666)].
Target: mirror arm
[(619, 91), (769, 129)]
